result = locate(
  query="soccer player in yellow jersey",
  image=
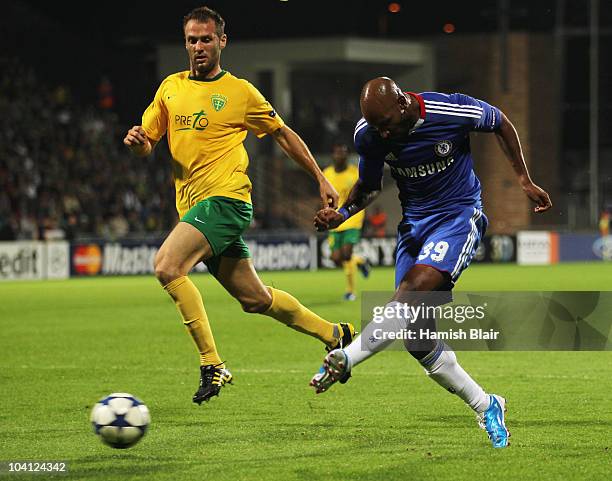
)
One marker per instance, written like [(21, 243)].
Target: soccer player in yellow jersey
[(205, 113), (343, 176)]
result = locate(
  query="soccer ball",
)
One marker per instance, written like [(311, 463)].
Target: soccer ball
[(120, 420)]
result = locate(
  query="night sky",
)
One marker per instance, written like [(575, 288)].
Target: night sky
[(112, 20)]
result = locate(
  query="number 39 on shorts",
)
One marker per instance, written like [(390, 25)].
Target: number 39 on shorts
[(439, 251)]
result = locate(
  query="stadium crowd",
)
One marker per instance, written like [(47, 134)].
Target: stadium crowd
[(64, 172), (327, 114)]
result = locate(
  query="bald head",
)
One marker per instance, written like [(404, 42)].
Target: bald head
[(378, 96), (386, 107)]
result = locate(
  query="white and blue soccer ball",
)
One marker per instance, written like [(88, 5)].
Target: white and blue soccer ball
[(120, 419)]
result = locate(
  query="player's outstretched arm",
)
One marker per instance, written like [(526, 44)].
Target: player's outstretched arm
[(293, 145), (511, 145), (358, 199), (137, 141)]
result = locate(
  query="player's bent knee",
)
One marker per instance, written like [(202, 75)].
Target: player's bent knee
[(411, 284), (256, 305), (165, 277), (166, 273), (337, 259), (423, 281)]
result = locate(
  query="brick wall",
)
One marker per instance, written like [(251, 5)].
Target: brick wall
[(471, 64)]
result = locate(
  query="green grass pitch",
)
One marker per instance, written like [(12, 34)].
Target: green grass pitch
[(64, 344)]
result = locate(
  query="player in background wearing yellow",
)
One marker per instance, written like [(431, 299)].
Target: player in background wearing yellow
[(343, 175), (205, 113)]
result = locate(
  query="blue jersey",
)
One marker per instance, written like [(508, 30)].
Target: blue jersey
[(432, 165)]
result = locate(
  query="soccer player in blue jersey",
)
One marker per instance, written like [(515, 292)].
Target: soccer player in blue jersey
[(425, 140)]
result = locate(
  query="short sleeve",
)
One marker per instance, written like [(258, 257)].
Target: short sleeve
[(486, 117), (371, 160), (155, 118), (260, 117)]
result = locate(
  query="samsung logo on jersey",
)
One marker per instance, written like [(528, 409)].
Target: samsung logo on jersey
[(423, 170)]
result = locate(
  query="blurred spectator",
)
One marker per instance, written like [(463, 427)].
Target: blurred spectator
[(52, 229), (377, 222), (28, 228), (604, 223), (106, 98), (327, 114), (71, 227), (8, 229), (118, 225)]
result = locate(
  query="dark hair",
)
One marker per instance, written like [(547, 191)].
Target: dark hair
[(203, 15), (340, 143)]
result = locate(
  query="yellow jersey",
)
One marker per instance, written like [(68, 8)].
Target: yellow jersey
[(206, 122), (343, 182)]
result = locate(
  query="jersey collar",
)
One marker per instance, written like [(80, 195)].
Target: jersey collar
[(421, 119), (216, 77)]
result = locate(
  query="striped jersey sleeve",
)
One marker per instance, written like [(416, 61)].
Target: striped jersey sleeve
[(371, 159), (478, 114)]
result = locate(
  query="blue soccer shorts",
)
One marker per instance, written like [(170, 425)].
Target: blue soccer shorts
[(446, 241)]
